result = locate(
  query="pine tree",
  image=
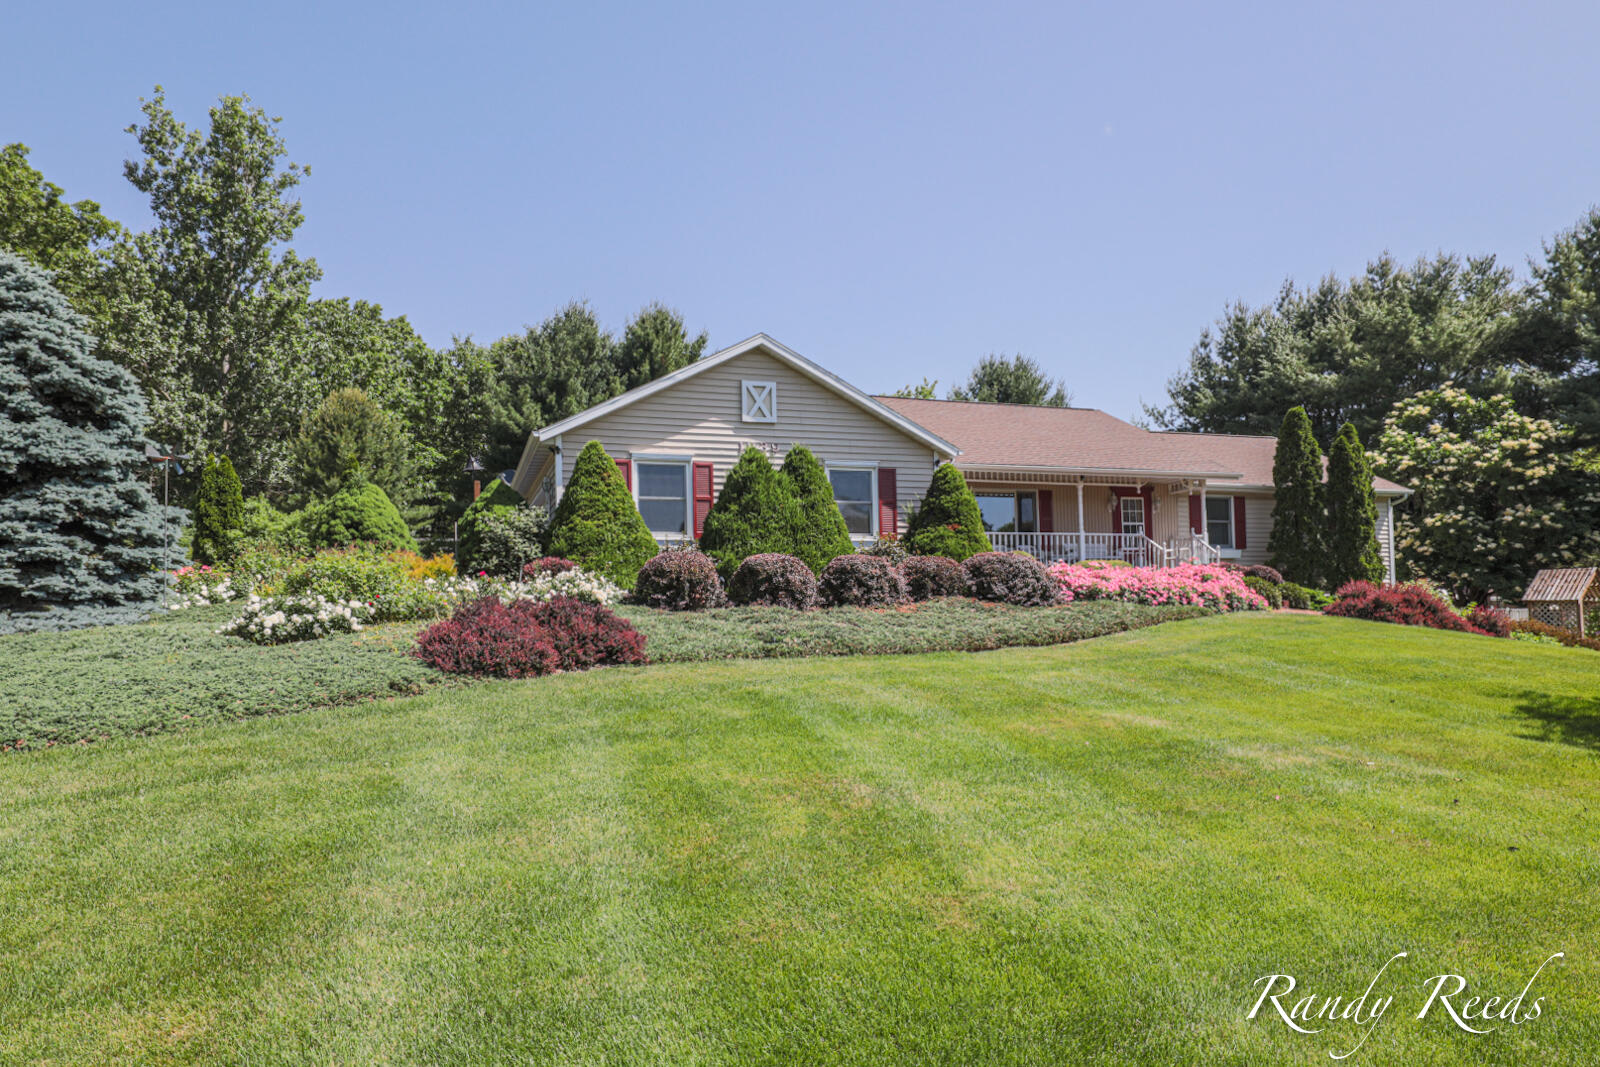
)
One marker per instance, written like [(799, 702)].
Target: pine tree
[(347, 440), (821, 533), (755, 513), (948, 523), (218, 512), (82, 538), (1298, 518), (1353, 551), (596, 524)]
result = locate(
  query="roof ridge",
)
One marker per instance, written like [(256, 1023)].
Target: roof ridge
[(991, 403)]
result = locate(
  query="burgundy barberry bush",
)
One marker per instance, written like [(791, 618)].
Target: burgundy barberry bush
[(1261, 570), (1011, 578), (679, 581), (928, 577), (861, 581), (1405, 605), (1491, 621), (772, 578), (547, 565), (527, 638)]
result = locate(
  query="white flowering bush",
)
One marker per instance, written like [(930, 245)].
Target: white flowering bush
[(1498, 494), (197, 587), (281, 619)]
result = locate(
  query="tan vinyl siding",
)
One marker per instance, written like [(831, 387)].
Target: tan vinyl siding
[(701, 417), (1257, 527)]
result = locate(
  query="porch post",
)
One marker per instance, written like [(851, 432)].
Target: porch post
[(1082, 547)]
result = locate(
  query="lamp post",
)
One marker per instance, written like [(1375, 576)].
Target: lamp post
[(158, 454), (474, 468)]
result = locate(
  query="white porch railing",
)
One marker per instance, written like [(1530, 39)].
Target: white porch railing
[(1136, 549)]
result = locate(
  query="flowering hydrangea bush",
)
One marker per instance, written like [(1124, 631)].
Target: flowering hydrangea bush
[(1202, 585), (281, 619)]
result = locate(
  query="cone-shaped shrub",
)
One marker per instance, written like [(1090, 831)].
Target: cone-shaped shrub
[(596, 524), (218, 513), (679, 581), (1352, 532), (948, 523), (1295, 544), (498, 499), (81, 535), (1011, 578), (820, 533), (360, 514), (773, 579), (928, 577), (862, 582), (755, 515)]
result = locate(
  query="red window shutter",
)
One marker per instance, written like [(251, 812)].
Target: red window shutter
[(702, 496), (888, 510), (1197, 519), (1047, 511), (1238, 523), (1149, 512), (626, 467)]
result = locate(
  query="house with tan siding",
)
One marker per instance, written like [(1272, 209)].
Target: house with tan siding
[(1060, 483)]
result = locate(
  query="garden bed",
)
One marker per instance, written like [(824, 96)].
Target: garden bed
[(177, 671)]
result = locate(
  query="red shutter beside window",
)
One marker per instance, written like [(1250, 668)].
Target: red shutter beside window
[(1238, 523), (702, 496), (888, 509), (1047, 511), (626, 467), (1197, 518)]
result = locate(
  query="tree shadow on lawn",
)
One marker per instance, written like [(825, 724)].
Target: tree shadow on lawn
[(1570, 720)]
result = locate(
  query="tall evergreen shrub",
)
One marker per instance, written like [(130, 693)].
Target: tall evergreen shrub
[(948, 523), (218, 512), (81, 534), (498, 499), (1353, 553), (756, 514), (1296, 546), (820, 531), (596, 524)]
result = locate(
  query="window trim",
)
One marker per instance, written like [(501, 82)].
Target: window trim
[(666, 460), (1208, 520), (758, 396), (872, 504)]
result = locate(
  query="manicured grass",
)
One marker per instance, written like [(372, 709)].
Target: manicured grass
[(1075, 854), (178, 672)]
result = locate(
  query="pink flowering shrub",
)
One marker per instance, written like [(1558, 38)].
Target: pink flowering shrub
[(1207, 586)]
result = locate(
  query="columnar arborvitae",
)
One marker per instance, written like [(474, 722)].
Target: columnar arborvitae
[(1353, 551), (218, 512), (1296, 546), (81, 534), (948, 523), (596, 524), (755, 513), (821, 534)]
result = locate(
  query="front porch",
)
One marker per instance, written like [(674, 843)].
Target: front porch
[(1073, 519)]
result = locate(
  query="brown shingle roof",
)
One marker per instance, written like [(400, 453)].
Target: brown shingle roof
[(1087, 439), (1078, 439), (1561, 583)]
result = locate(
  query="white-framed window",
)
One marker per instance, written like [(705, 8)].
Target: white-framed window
[(758, 401), (855, 491), (661, 491), (1009, 512), (1132, 508), (1219, 521)]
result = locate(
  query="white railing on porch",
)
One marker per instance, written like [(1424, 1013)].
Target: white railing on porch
[(1136, 549)]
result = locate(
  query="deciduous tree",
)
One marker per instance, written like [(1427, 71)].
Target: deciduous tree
[(1012, 380)]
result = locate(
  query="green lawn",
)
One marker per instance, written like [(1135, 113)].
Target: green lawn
[(1081, 853)]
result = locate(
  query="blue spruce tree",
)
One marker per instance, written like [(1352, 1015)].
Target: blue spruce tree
[(81, 535)]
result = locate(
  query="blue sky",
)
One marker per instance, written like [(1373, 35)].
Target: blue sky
[(893, 190)]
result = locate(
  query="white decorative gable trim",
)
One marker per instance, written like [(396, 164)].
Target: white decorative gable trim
[(758, 401)]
